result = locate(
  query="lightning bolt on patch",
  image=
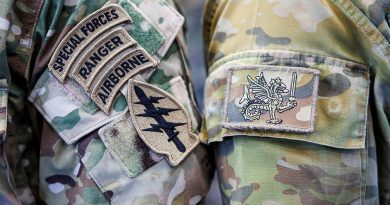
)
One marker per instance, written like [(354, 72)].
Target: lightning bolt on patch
[(158, 113), (161, 121)]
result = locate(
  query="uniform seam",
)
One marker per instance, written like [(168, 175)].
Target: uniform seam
[(108, 144), (208, 19), (286, 138), (171, 34), (70, 138), (97, 181), (365, 26), (257, 54)]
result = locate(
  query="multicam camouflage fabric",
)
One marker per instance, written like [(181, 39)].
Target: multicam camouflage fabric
[(346, 40), (75, 166), (337, 163)]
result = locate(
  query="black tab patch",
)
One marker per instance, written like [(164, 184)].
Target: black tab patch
[(104, 50), (161, 121), (94, 24), (115, 77)]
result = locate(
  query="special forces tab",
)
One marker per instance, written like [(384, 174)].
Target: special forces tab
[(95, 24)]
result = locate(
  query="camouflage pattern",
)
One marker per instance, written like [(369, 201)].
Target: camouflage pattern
[(7, 190), (3, 108), (19, 149), (58, 132), (185, 184), (344, 105), (290, 98), (122, 141), (338, 163)]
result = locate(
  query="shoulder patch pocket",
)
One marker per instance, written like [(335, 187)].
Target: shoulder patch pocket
[(295, 96)]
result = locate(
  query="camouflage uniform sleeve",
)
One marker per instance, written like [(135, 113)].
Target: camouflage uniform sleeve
[(62, 146), (296, 100)]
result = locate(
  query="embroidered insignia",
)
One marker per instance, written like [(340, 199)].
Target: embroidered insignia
[(271, 97), (161, 122), (114, 77), (267, 97), (82, 34), (99, 54)]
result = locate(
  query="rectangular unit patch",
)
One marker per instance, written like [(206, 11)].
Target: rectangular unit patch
[(116, 76), (271, 98), (107, 47), (83, 33)]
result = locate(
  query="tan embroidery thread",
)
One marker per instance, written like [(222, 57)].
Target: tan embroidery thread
[(114, 78), (94, 24), (104, 50), (266, 97), (161, 121)]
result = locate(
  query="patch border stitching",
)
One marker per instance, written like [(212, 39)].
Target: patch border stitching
[(167, 155), (244, 125), (122, 82), (62, 77), (87, 83)]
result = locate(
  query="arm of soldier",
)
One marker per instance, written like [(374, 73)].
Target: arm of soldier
[(253, 38)]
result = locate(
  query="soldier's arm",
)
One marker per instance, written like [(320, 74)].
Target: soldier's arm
[(332, 147), (100, 105)]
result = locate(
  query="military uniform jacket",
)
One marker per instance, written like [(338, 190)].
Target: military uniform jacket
[(97, 106), (303, 87)]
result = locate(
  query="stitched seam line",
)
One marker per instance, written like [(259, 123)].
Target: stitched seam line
[(282, 137), (364, 24), (116, 156), (258, 54), (97, 181), (171, 34)]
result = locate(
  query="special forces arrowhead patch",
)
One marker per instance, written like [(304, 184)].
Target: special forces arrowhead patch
[(276, 98), (161, 121)]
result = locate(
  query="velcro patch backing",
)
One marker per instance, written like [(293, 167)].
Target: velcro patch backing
[(83, 33), (266, 97), (168, 20), (129, 150), (161, 121)]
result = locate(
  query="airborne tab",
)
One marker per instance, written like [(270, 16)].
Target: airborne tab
[(108, 85)]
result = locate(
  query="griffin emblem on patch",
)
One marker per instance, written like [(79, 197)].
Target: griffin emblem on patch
[(276, 98), (267, 97), (161, 122)]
